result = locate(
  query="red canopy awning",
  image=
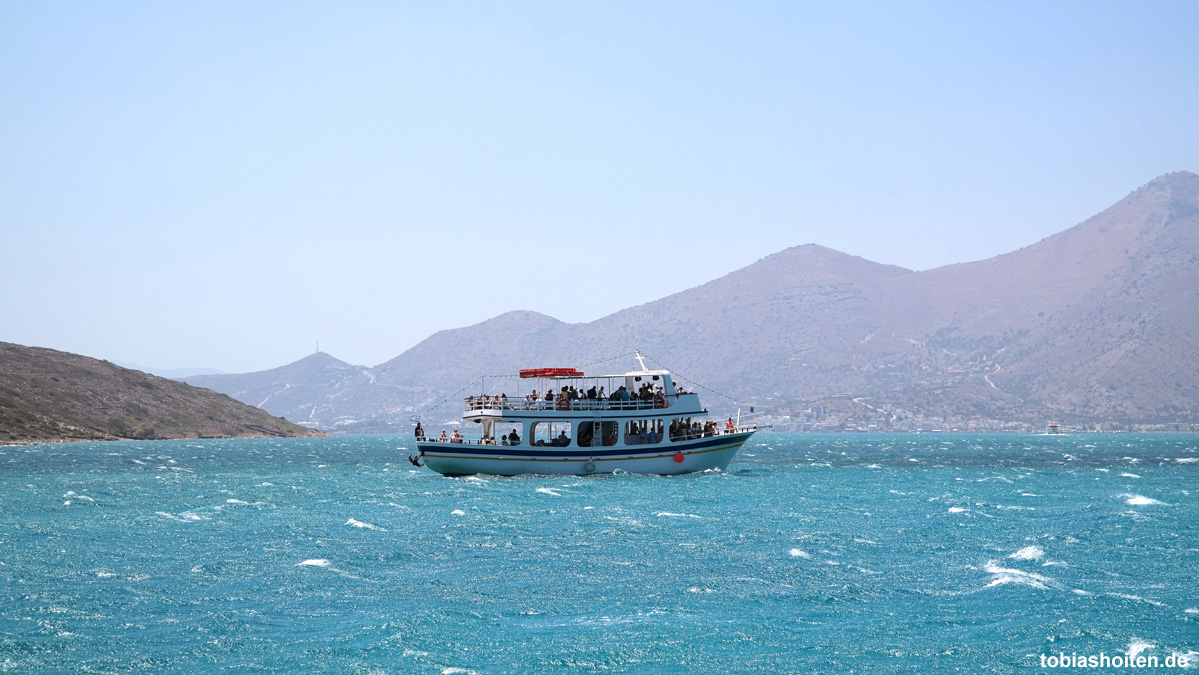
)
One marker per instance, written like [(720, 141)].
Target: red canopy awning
[(550, 372)]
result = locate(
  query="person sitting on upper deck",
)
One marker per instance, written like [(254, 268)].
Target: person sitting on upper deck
[(503, 400), (549, 395)]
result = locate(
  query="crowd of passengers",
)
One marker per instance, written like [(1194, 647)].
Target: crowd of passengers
[(680, 430), (646, 393)]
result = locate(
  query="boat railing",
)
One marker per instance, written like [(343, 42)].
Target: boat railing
[(475, 404)]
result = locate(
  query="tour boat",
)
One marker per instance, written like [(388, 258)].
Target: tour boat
[(573, 424)]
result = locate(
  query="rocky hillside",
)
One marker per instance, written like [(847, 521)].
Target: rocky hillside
[(1099, 322), (50, 395)]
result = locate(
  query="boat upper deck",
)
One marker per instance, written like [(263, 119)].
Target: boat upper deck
[(562, 393)]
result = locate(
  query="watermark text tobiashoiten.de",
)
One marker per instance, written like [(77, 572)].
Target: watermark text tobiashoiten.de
[(1102, 660)]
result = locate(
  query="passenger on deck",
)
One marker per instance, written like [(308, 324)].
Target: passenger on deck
[(600, 395), (729, 425), (513, 439), (456, 438), (443, 439), (418, 432), (591, 393), (503, 440), (562, 441)]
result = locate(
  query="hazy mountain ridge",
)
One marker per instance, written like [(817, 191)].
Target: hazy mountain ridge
[(51, 395), (1097, 322)]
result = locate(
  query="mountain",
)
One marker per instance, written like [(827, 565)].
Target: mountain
[(1099, 322), (52, 395), (318, 390)]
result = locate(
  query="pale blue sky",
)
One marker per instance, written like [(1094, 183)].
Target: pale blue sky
[(224, 184)]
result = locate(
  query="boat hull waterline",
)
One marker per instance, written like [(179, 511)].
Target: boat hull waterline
[(458, 460)]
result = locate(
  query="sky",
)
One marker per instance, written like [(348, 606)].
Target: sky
[(228, 184)]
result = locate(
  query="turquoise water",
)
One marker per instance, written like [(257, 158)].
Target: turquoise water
[(840, 553)]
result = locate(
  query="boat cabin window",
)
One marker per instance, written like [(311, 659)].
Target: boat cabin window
[(596, 434), (550, 434), (509, 433), (642, 432), (681, 429)]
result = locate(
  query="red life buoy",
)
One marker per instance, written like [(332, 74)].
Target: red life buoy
[(563, 403), (678, 457)]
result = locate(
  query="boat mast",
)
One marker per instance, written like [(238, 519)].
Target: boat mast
[(640, 359)]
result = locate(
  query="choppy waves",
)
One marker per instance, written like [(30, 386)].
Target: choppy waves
[(816, 553)]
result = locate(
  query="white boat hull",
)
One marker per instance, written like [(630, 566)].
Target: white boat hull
[(697, 455)]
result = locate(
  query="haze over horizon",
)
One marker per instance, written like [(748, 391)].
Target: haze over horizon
[(226, 185)]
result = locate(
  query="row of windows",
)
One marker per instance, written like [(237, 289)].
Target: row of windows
[(594, 434)]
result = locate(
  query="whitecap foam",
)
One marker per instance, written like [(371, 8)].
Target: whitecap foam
[(1137, 646), (1130, 475), (676, 515), (1191, 610), (1028, 553), (1187, 460), (313, 562), (365, 526), (1135, 598), (956, 509), (457, 512), (549, 491), (1139, 500), (453, 670), (797, 553), (1002, 575), (185, 517)]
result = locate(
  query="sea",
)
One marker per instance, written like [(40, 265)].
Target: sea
[(852, 553)]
